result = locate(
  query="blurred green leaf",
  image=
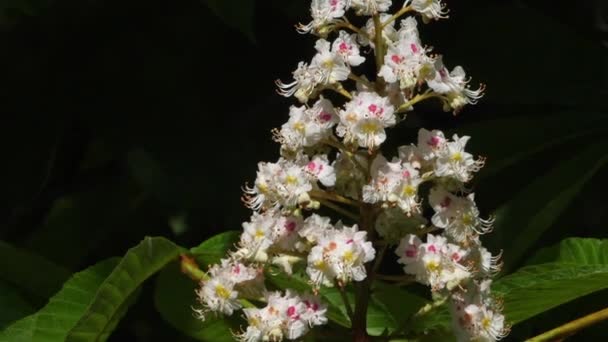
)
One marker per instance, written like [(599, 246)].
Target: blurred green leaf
[(108, 305), (174, 298), (53, 322), (534, 134), (84, 219), (215, 248), (523, 219), (237, 14), (12, 305), (30, 272)]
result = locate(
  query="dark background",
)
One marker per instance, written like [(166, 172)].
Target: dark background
[(131, 118)]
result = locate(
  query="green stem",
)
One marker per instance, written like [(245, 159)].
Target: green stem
[(333, 197), (571, 328), (346, 301), (363, 288), (361, 80), (416, 99), (350, 26), (379, 43), (396, 16), (337, 209)]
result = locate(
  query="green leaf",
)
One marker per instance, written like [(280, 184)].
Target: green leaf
[(584, 251), (524, 218), (538, 288), (30, 272), (54, 321), (212, 250), (174, 299), (12, 305), (114, 294), (237, 14)]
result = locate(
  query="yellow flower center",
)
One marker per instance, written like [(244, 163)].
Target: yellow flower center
[(222, 292), (409, 190), (369, 127), (457, 156)]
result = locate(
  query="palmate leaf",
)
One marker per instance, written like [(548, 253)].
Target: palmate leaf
[(54, 321), (115, 292), (579, 267)]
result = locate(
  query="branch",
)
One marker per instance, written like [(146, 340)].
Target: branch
[(571, 328)]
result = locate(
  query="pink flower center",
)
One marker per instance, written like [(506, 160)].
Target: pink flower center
[(290, 226), (455, 256), (324, 116), (311, 166), (344, 47), (396, 59), (236, 269), (414, 48), (434, 141), (349, 241), (406, 174), (446, 202), (432, 248), (291, 312), (410, 253)]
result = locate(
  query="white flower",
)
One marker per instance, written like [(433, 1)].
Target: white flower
[(314, 227), (394, 182), (429, 9), (284, 183), (389, 33), (307, 126), (321, 170), (476, 315), (454, 87), (453, 161), (406, 61), (370, 7), (217, 295), (315, 313), (485, 324), (346, 46), (286, 232), (459, 216), (331, 64), (323, 12), (306, 79), (340, 255), (435, 263), (430, 143), (257, 236), (284, 316), (364, 119)]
